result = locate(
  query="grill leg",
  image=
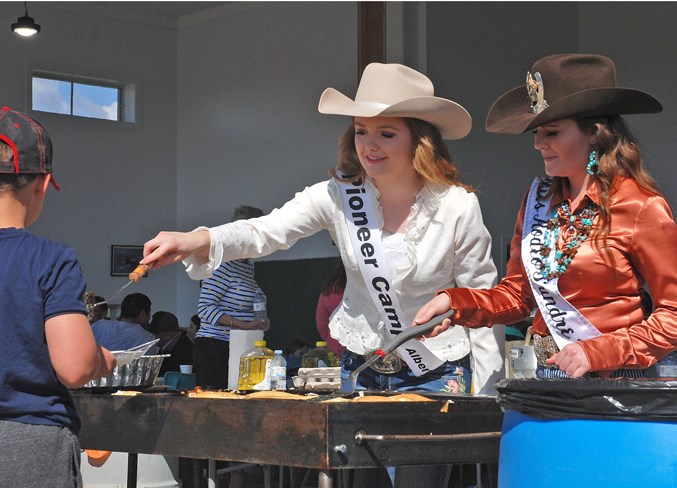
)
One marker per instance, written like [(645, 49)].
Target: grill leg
[(211, 482), (132, 468), (325, 479)]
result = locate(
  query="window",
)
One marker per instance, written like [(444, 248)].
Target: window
[(64, 94)]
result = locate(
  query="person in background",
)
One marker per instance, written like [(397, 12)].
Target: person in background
[(98, 312), (597, 230), (47, 343), (293, 352), (225, 303), (405, 226), (127, 331), (173, 341), (192, 327), (330, 298)]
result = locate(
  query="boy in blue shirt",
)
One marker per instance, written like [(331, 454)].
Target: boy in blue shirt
[(47, 343)]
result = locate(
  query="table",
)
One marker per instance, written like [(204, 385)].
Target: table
[(326, 436)]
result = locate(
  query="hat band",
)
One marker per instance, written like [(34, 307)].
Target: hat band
[(377, 105)]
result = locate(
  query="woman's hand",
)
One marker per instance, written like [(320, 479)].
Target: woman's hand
[(171, 247), (572, 360), (234, 323), (263, 325), (439, 304)]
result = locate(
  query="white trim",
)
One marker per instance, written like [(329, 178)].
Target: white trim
[(365, 237), (565, 323)]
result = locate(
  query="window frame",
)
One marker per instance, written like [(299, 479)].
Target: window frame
[(125, 93)]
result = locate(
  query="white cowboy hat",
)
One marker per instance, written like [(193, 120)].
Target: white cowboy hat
[(395, 90)]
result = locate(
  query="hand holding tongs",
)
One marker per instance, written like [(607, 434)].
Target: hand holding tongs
[(410, 333), (134, 276)]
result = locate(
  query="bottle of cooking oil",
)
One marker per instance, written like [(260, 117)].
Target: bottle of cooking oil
[(320, 357), (255, 368)]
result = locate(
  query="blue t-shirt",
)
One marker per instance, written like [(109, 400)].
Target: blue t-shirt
[(40, 279), (118, 335)]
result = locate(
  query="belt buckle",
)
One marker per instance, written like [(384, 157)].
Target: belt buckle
[(545, 347), (388, 364)]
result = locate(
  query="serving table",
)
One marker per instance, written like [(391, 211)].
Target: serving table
[(327, 436)]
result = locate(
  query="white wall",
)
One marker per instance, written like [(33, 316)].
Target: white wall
[(228, 108), (118, 180), (248, 125)]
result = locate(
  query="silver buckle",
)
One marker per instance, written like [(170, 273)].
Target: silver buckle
[(545, 347), (388, 364)]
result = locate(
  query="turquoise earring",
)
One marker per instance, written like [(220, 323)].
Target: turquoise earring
[(593, 164)]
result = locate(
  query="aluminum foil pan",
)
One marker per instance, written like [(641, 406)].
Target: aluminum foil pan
[(140, 372)]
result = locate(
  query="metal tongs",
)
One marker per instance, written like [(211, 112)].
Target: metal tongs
[(418, 330)]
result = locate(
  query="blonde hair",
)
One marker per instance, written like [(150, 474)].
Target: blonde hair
[(431, 159)]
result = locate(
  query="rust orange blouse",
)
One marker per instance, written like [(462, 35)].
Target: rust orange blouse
[(643, 242)]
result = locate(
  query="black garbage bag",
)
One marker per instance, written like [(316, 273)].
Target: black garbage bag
[(626, 399)]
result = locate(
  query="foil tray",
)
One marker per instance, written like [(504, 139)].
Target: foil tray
[(140, 372)]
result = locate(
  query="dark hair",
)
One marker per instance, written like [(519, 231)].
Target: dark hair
[(133, 304), (336, 282), (618, 155), (294, 345), (431, 158), (164, 322), (246, 212), (13, 181)]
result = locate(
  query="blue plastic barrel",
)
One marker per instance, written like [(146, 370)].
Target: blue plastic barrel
[(582, 453)]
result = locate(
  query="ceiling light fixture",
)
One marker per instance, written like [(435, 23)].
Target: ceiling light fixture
[(25, 26)]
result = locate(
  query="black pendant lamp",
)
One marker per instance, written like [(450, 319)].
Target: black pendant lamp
[(25, 26)]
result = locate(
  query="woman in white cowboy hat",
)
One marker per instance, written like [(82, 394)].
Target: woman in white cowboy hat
[(588, 237), (403, 222)]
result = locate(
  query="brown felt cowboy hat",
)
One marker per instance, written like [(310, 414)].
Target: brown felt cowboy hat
[(395, 90), (564, 86)]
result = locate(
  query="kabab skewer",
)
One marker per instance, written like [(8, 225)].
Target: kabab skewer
[(138, 273)]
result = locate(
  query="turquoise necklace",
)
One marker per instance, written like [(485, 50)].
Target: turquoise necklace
[(575, 231)]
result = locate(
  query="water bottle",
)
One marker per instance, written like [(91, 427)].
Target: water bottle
[(278, 372), (260, 305), (667, 367)]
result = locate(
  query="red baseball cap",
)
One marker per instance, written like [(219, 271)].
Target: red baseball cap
[(29, 142)]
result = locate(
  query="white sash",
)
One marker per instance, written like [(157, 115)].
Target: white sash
[(365, 236), (566, 323)]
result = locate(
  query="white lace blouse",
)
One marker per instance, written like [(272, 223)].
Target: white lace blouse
[(445, 245)]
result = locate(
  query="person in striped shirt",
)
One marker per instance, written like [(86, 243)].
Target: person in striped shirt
[(226, 303)]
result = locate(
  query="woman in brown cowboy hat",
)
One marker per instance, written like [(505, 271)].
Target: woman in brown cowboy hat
[(404, 224), (588, 237)]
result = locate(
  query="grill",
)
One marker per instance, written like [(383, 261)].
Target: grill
[(310, 433)]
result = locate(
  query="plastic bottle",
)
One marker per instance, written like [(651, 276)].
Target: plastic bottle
[(278, 372), (260, 305), (667, 367), (320, 357), (255, 368)]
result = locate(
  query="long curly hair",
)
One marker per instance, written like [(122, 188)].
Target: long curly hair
[(431, 158), (618, 154)]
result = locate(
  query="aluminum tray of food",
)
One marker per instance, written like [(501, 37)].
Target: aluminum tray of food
[(140, 372)]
